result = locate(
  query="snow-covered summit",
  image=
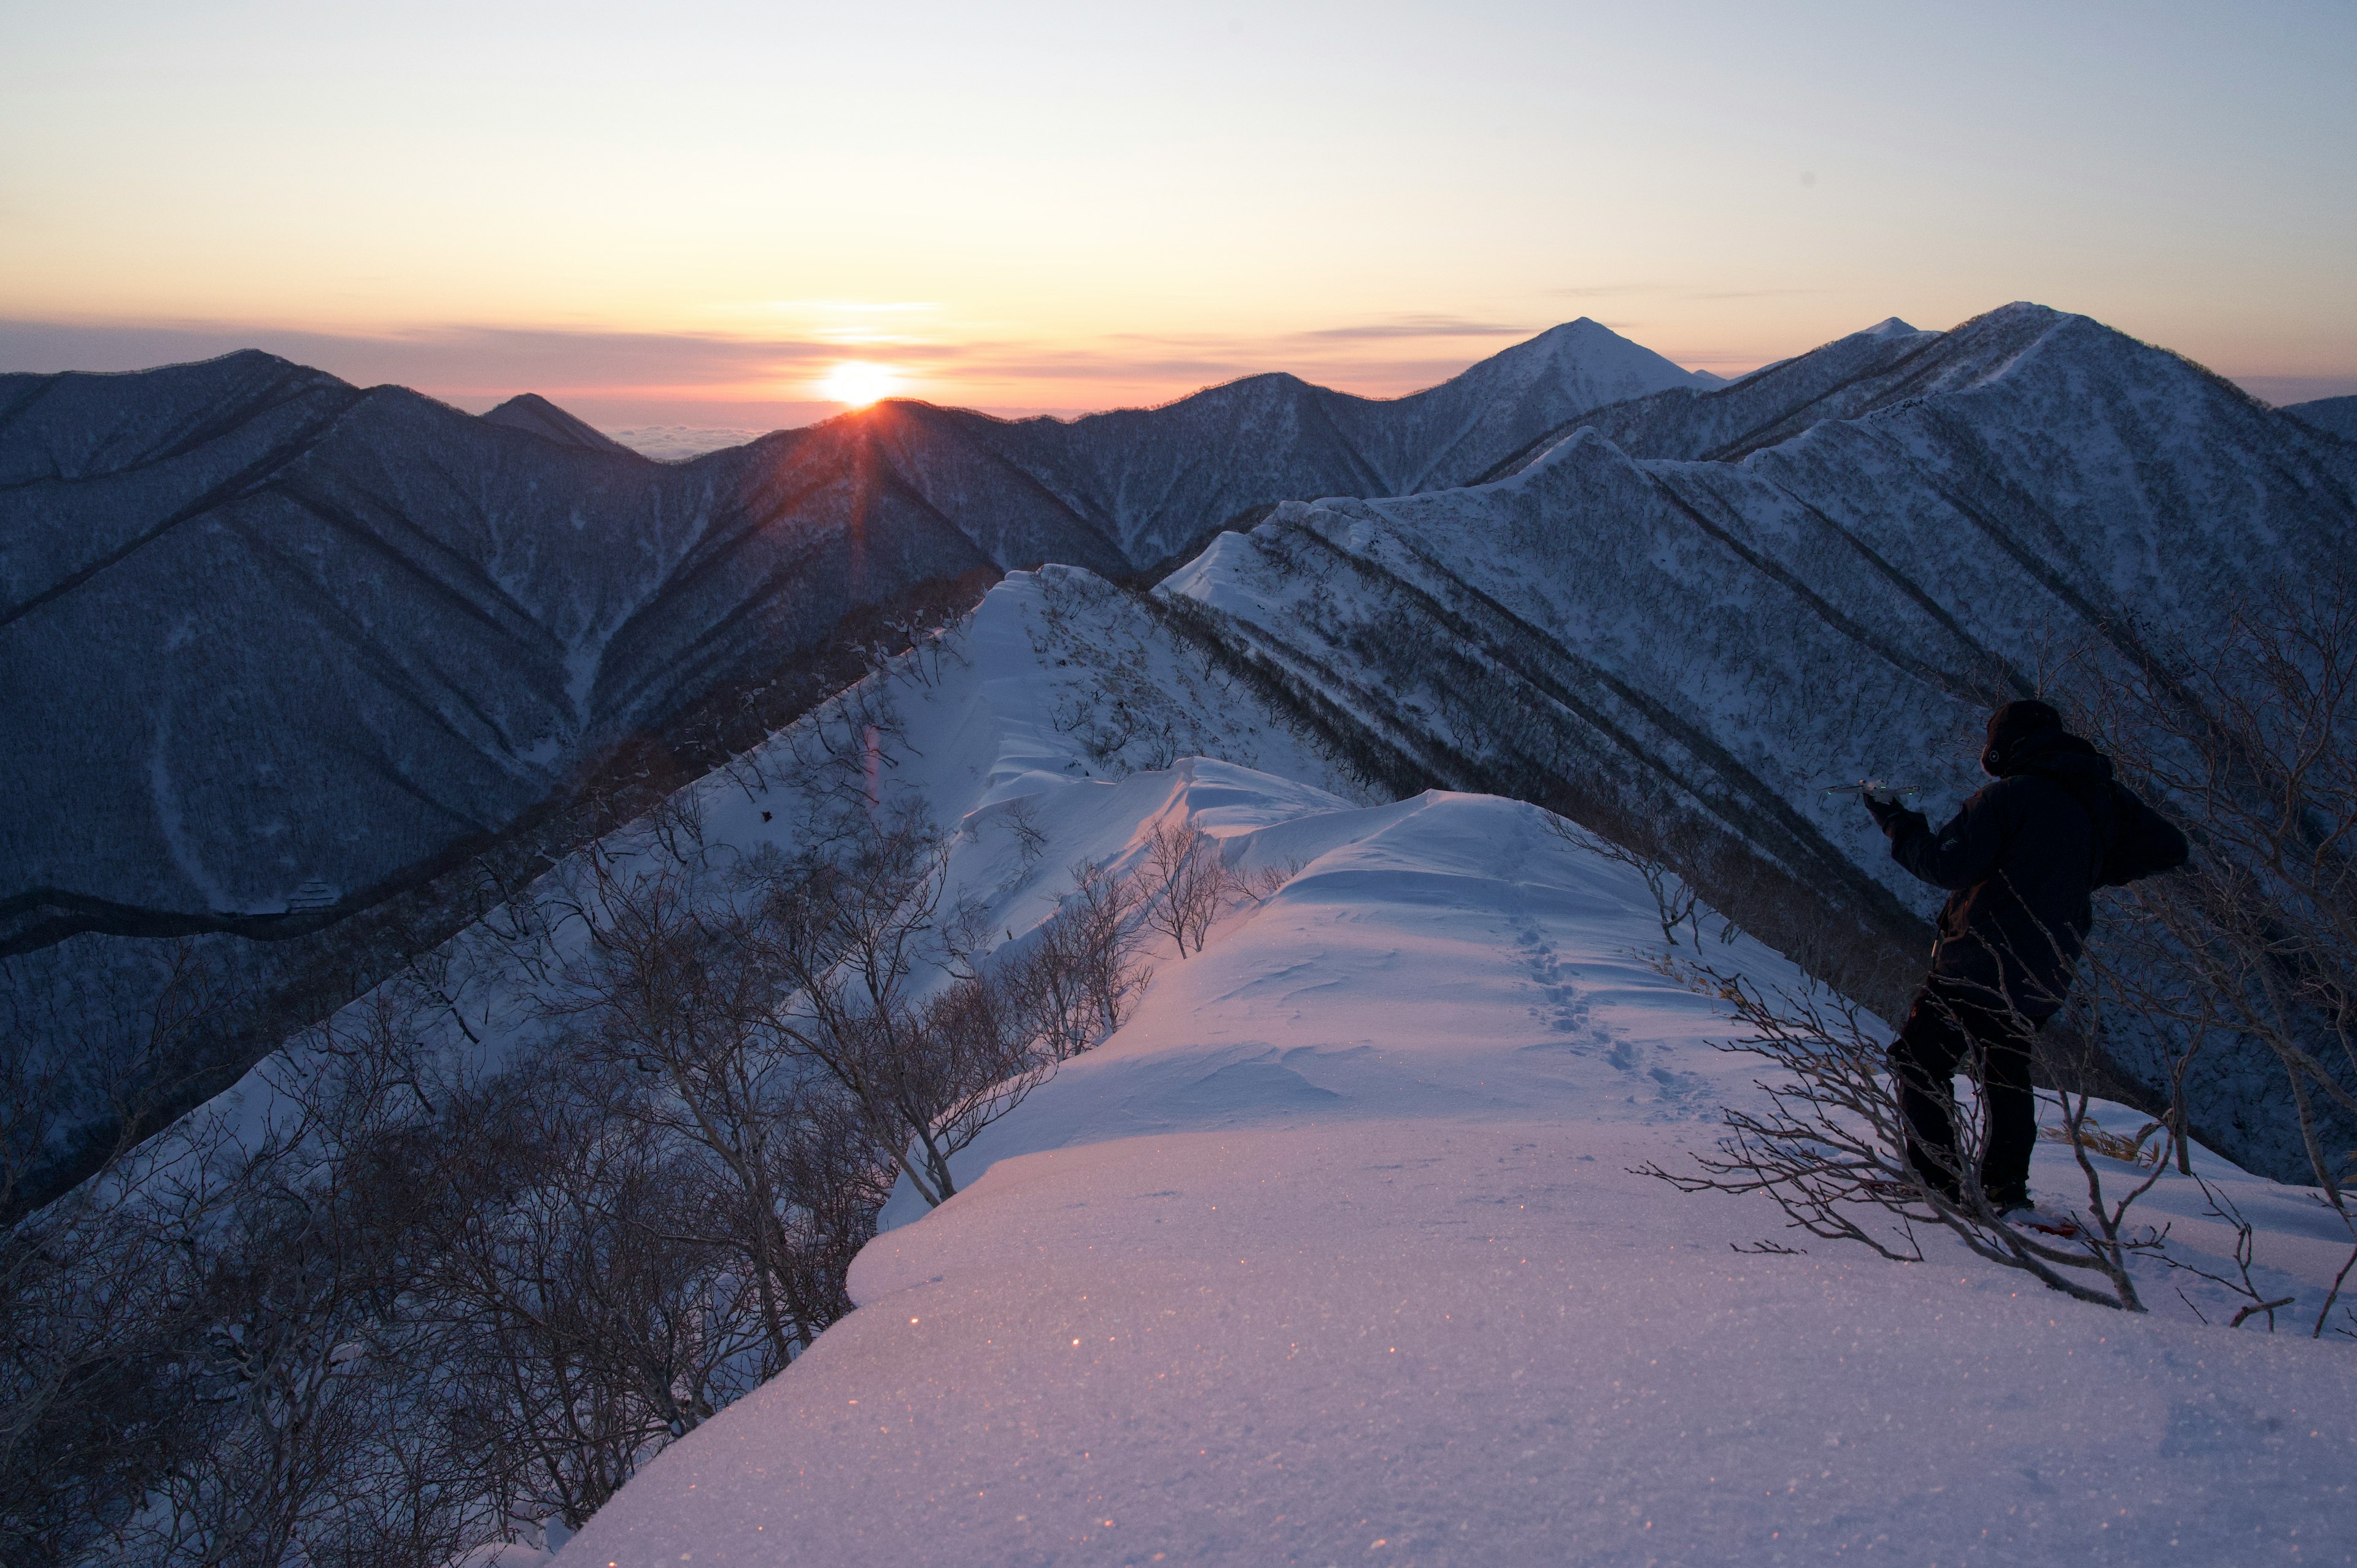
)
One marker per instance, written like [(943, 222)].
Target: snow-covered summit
[(534, 412)]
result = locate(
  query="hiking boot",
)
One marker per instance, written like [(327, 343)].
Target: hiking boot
[(2023, 1214)]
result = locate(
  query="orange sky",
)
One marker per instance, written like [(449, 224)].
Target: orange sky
[(692, 214)]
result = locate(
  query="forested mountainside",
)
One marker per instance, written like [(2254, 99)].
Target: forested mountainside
[(1691, 613), (1299, 1138), (581, 1161), (2337, 415), (277, 653), (270, 638)]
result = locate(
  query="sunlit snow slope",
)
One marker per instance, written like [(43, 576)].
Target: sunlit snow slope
[(1332, 1255)]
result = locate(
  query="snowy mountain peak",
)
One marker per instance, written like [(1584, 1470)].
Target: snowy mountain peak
[(533, 412), (1583, 348)]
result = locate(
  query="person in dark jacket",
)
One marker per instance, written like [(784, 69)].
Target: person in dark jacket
[(2019, 861)]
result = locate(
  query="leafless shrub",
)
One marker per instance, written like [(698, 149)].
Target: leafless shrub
[(1022, 820), (594, 1308), (1079, 976), (1191, 883), (677, 984), (1828, 1149), (846, 934), (1265, 884), (2250, 740), (2256, 1301), (1098, 920)]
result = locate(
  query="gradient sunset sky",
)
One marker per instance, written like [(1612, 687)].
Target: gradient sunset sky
[(692, 213)]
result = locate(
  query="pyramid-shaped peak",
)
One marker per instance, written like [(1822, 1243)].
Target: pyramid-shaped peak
[(534, 414), (1889, 326), (1587, 347)]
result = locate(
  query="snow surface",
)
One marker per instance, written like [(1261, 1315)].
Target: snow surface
[(1333, 1253)]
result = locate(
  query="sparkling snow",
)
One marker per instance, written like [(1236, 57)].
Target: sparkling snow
[(1333, 1255)]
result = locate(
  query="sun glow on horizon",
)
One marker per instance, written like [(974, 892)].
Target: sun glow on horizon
[(859, 382)]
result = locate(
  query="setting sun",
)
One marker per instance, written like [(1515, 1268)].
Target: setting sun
[(859, 384)]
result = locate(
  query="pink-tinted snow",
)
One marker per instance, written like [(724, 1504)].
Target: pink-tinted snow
[(1332, 1255)]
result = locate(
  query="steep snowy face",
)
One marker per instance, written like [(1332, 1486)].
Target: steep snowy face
[(1683, 651)]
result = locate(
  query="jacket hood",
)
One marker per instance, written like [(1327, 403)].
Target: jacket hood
[(2059, 755)]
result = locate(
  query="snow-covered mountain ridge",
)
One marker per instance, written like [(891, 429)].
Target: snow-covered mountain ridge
[(1333, 1251), (336, 629), (1683, 619), (277, 652)]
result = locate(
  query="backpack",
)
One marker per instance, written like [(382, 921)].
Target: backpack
[(2136, 840), (2145, 844)]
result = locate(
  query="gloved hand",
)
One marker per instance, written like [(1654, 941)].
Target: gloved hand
[(1883, 806)]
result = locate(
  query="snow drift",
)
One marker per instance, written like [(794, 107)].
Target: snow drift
[(1332, 1254)]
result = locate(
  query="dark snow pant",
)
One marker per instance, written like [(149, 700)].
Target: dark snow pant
[(1941, 1030)]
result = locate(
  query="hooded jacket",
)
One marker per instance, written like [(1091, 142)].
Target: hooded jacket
[(2019, 861)]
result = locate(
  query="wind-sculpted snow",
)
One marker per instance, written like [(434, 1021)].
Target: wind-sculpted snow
[(1687, 649), (1333, 1250), (1333, 1254)]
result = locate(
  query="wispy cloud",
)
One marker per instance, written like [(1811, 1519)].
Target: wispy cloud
[(1416, 327)]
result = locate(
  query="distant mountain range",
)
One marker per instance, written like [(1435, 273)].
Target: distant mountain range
[(270, 643), (2335, 415), (264, 634), (1681, 617)]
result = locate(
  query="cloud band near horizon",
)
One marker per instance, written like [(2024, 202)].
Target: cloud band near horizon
[(624, 379)]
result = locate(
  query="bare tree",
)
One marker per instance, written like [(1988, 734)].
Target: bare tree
[(1189, 883), (1829, 1150), (591, 1316), (924, 1067), (1022, 820), (2250, 739), (1077, 977), (679, 985)]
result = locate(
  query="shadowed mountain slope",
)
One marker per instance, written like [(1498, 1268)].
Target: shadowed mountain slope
[(1686, 617), (2335, 415), (264, 635)]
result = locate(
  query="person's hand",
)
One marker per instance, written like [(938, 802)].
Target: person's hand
[(1883, 806)]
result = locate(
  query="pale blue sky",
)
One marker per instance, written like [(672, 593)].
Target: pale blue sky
[(696, 208)]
